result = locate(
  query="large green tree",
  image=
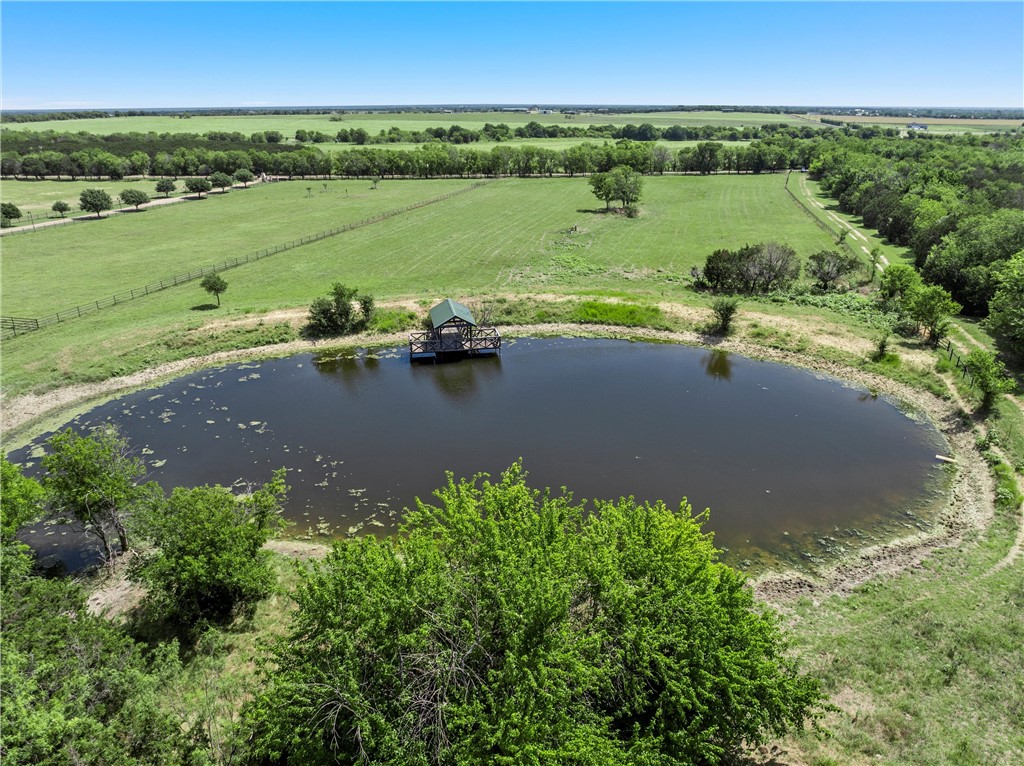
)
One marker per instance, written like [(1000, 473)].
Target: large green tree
[(134, 197), (165, 186), (504, 626), (76, 689), (95, 201), (207, 558), (1006, 309), (932, 307), (198, 186), (97, 481), (21, 499)]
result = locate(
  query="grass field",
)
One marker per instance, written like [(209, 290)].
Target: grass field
[(935, 125), (133, 250), (374, 122), (518, 238), (37, 197), (510, 236)]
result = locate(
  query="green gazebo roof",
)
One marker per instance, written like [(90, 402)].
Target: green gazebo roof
[(447, 310)]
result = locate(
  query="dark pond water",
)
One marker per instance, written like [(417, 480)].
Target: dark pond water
[(791, 464)]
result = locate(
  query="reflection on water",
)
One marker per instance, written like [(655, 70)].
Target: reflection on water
[(717, 364), (459, 380), (787, 461)]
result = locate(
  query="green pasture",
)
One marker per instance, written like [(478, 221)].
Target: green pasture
[(374, 122), (509, 234), (94, 259), (37, 197), (513, 236)]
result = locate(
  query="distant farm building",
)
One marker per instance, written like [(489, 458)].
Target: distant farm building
[(453, 331), (916, 126)]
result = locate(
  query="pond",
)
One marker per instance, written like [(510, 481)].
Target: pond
[(794, 466)]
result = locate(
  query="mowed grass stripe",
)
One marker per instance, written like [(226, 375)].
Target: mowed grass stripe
[(94, 260)]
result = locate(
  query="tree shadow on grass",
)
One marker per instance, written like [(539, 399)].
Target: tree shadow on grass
[(205, 307)]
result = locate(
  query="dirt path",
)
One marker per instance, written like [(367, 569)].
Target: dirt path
[(843, 225)]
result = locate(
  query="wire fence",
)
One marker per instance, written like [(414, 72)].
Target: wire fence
[(837, 234), (961, 366), (11, 327)]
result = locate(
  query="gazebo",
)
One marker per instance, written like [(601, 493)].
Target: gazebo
[(453, 331)]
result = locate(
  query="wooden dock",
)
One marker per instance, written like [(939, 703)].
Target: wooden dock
[(477, 340), (454, 331)]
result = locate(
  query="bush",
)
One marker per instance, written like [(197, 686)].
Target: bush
[(208, 558), (336, 315), (506, 626), (751, 270), (988, 374), (724, 310)]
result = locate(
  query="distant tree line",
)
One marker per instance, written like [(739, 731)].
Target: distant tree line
[(429, 160)]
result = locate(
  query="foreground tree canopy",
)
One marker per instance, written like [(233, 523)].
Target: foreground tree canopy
[(509, 627)]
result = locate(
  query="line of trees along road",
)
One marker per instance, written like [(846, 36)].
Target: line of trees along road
[(49, 153), (426, 161)]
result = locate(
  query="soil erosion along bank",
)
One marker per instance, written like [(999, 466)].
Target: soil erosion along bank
[(969, 505)]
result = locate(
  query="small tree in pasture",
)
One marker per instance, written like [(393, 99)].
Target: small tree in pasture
[(221, 180), (60, 207), (214, 284), (165, 186), (134, 197), (198, 185), (95, 201)]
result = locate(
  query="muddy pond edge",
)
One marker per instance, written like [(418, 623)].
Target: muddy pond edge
[(969, 506)]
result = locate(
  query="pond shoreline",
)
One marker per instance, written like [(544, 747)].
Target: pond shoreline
[(969, 507)]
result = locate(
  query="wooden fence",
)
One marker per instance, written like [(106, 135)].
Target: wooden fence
[(13, 326)]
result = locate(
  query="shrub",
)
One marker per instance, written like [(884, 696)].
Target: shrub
[(508, 626), (336, 315), (724, 310), (208, 556)]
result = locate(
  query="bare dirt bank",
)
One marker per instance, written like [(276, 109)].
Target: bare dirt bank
[(970, 505)]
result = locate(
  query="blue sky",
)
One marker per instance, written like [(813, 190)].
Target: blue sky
[(82, 55)]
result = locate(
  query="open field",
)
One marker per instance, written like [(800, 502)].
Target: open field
[(134, 249), (935, 124), (423, 251), (374, 122), (37, 197)]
